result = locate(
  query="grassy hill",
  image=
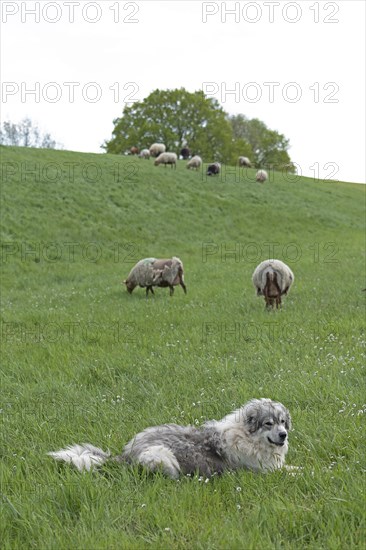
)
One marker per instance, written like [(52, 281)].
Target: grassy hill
[(85, 361)]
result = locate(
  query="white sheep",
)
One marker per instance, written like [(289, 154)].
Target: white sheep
[(261, 176), (195, 162), (151, 272), (145, 154), (156, 149), (272, 279), (244, 162), (167, 158)]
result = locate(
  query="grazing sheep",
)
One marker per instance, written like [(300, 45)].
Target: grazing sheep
[(134, 151), (272, 279), (169, 273), (145, 154), (195, 163), (185, 153), (261, 176), (213, 169), (151, 272), (244, 162), (167, 158), (156, 149)]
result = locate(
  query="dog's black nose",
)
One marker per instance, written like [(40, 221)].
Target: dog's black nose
[(282, 435)]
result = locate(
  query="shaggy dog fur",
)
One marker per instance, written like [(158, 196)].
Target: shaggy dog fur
[(252, 437)]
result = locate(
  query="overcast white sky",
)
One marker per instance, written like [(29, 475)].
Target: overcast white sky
[(297, 66)]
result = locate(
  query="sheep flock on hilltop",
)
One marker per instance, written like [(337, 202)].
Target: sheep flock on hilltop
[(158, 152)]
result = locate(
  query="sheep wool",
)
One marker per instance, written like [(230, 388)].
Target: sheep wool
[(261, 176), (244, 162), (145, 154), (194, 163), (156, 149), (167, 158), (272, 279), (151, 272)]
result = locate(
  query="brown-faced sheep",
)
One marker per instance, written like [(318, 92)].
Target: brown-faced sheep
[(272, 279), (151, 272)]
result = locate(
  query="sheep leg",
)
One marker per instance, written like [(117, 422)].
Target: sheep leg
[(266, 297), (171, 290), (147, 290), (181, 282), (183, 286), (269, 301)]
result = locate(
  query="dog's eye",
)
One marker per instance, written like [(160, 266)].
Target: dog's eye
[(268, 424), (283, 421)]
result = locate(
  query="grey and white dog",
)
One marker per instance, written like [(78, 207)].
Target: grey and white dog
[(253, 437)]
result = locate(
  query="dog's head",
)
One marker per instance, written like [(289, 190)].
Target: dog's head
[(267, 420)]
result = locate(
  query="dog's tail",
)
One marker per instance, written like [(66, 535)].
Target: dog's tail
[(83, 457)]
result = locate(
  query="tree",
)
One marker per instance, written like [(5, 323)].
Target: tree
[(269, 147), (25, 134), (175, 118), (179, 118)]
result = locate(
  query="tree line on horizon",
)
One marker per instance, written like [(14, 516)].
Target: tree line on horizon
[(25, 134), (179, 118)]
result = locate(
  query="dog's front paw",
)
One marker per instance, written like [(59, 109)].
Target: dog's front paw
[(294, 470)]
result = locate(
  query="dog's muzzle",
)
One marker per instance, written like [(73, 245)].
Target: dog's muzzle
[(282, 436)]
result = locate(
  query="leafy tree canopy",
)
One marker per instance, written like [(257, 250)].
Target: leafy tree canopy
[(180, 118), (175, 118), (268, 146)]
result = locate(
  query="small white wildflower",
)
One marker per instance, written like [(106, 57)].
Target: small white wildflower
[(238, 489), (238, 506), (143, 505)]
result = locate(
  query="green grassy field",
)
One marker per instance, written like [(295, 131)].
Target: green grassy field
[(85, 361)]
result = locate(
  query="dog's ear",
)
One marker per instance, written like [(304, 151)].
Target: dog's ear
[(252, 418)]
